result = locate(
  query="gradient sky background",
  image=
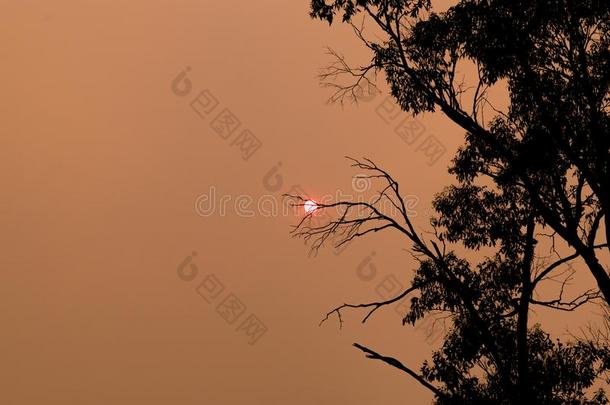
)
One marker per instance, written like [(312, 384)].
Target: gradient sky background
[(101, 166)]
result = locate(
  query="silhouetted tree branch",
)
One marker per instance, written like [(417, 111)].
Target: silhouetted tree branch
[(547, 156), (489, 303), (397, 364), (374, 306), (550, 62)]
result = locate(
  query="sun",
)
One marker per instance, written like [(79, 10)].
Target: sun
[(310, 206)]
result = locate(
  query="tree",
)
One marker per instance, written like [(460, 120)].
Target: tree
[(553, 141), (547, 156), (490, 353)]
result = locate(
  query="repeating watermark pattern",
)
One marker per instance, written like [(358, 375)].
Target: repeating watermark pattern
[(410, 130), (390, 287), (361, 183), (213, 203), (273, 181), (229, 128), (275, 204), (228, 306), (224, 122)]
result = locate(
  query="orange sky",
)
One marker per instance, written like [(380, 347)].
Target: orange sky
[(104, 167)]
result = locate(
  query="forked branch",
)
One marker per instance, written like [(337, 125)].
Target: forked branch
[(374, 306)]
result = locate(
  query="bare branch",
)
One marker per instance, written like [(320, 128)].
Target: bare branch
[(559, 262), (358, 218), (560, 304), (568, 306), (374, 305), (360, 84), (397, 364)]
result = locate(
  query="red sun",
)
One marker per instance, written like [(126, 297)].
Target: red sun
[(310, 206)]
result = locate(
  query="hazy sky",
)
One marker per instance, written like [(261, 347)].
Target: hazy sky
[(109, 172)]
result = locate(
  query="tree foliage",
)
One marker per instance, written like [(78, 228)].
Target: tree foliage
[(553, 141), (542, 163), (490, 354)]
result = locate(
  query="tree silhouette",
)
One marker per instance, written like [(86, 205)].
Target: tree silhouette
[(539, 169), (552, 142), (490, 354)]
